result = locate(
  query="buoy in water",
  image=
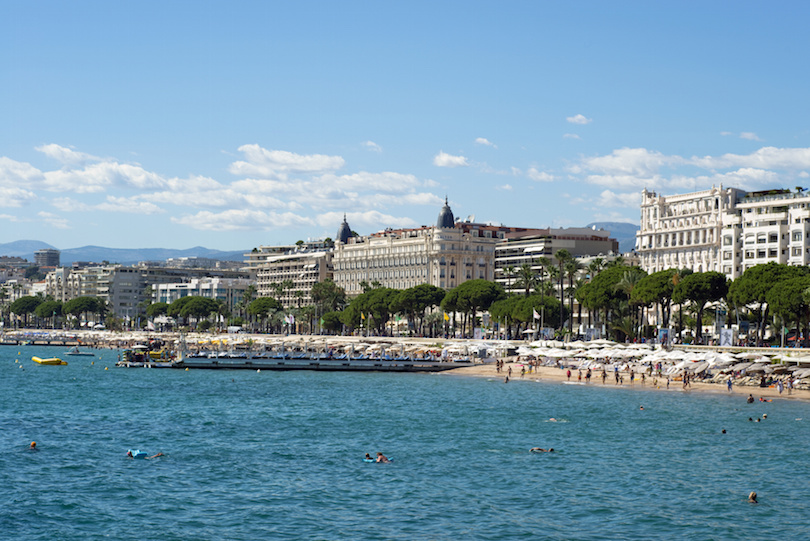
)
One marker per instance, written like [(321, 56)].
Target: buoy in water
[(105, 368), (186, 369), (258, 370)]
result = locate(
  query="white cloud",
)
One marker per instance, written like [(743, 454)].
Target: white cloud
[(539, 176), (53, 220), (442, 159), (13, 172), (371, 219), (11, 196), (628, 161), (484, 141), (279, 164), (505, 187), (68, 204), (749, 135), (66, 155), (372, 146), (98, 177), (764, 158), (611, 199), (571, 136), (128, 206), (241, 220), (579, 119)]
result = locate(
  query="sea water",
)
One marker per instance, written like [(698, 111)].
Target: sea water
[(279, 455)]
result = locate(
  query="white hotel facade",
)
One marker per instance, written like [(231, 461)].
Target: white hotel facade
[(723, 229)]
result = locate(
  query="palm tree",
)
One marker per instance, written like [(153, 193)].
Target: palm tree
[(562, 256), (595, 267), (572, 267), (508, 272), (526, 278), (545, 264)]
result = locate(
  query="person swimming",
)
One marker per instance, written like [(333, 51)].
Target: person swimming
[(382, 458), (541, 450), (33, 446), (752, 498)]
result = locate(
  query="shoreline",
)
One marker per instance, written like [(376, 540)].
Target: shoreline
[(556, 375)]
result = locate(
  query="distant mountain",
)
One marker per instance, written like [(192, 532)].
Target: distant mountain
[(623, 232), (26, 249), (23, 248)]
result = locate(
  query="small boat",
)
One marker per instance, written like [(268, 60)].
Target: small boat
[(49, 360), (77, 352)]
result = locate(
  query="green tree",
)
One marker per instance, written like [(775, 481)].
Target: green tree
[(526, 278), (789, 302), (81, 306), (49, 310), (470, 297), (656, 288), (328, 296), (414, 303), (701, 288), (263, 307), (562, 256), (25, 306), (751, 289)]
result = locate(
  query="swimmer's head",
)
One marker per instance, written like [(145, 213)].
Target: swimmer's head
[(752, 497), (551, 449), (764, 415)]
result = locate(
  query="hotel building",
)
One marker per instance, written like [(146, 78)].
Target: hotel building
[(724, 230)]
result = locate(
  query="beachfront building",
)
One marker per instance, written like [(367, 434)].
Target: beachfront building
[(122, 288), (538, 246), (685, 231), (724, 230), (228, 290), (444, 255), (288, 272)]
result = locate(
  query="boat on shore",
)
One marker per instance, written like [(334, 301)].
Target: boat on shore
[(49, 360), (75, 351)]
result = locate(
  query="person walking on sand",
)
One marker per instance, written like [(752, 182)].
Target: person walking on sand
[(729, 384), (568, 374), (604, 376)]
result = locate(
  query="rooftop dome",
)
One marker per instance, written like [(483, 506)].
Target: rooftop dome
[(344, 232), (446, 219)]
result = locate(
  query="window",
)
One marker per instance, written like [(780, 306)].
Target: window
[(726, 256), (727, 240), (796, 236), (773, 237)]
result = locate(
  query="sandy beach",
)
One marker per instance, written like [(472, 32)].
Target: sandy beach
[(553, 374)]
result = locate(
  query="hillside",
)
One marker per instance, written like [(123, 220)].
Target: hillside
[(26, 249), (625, 233)]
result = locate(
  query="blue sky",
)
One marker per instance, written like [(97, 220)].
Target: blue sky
[(237, 124)]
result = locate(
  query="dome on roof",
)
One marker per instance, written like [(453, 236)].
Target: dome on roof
[(344, 232), (446, 219)]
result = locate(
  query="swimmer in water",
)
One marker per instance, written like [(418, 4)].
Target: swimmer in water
[(541, 450), (156, 456), (382, 458), (368, 457), (752, 498), (33, 446)]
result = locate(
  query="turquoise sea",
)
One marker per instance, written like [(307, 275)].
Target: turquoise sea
[(278, 455)]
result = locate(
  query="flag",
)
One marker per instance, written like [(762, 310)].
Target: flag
[(321, 321), (535, 314), (362, 316), (446, 317)]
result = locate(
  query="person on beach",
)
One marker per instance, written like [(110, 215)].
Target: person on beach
[(604, 375), (588, 376), (632, 376), (382, 458), (729, 384), (541, 450), (579, 375), (568, 374), (668, 380)]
